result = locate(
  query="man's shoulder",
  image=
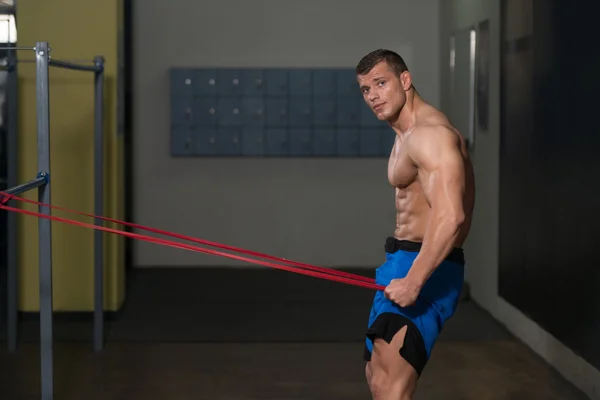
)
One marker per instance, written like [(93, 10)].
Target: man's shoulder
[(436, 132), (432, 143)]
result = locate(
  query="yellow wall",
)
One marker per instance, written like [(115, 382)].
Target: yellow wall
[(75, 30)]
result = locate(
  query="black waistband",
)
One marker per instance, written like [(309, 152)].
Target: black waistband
[(393, 245)]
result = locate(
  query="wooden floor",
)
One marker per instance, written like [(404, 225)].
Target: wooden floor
[(281, 337), (502, 370)]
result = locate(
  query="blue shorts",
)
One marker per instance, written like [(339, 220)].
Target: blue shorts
[(425, 319)]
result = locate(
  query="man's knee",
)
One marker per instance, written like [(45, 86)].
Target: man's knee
[(386, 385), (368, 373), (380, 382)]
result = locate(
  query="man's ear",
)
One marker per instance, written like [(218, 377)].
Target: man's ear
[(406, 80)]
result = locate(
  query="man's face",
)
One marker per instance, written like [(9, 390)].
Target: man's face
[(384, 91)]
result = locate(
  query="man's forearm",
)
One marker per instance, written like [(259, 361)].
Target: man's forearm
[(437, 244)]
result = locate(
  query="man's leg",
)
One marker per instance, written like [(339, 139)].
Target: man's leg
[(390, 377)]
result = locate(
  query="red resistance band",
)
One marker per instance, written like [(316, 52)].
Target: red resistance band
[(304, 269)]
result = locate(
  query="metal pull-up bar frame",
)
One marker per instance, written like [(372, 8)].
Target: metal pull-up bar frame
[(42, 182)]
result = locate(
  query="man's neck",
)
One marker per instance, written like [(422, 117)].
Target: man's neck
[(407, 116)]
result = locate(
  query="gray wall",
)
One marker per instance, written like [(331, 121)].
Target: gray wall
[(482, 244), (482, 247), (329, 212)]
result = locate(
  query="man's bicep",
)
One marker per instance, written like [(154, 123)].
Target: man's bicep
[(441, 170)]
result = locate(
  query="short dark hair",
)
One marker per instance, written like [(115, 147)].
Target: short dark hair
[(376, 56)]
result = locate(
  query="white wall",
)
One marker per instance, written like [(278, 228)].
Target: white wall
[(327, 212), (482, 247)]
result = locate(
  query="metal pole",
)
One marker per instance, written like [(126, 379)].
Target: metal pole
[(99, 204), (38, 182), (44, 225), (16, 48), (11, 218), (73, 66)]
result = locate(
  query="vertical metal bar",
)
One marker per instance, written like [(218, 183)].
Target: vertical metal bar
[(99, 205), (11, 217), (44, 225)]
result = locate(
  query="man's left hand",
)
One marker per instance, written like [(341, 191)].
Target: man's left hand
[(403, 291)]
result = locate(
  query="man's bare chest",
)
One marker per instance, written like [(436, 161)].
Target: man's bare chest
[(401, 170)]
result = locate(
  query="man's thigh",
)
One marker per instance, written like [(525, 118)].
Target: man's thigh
[(390, 373)]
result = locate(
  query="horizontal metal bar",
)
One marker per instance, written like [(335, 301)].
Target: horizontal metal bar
[(21, 61), (77, 67), (5, 64), (33, 61), (7, 9), (16, 48), (40, 180), (78, 61)]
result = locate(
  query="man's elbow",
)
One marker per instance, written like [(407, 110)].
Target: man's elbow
[(455, 220), (459, 219)]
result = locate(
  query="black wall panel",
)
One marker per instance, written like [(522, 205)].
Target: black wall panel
[(550, 170)]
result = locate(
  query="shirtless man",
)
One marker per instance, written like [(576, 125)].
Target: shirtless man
[(423, 273)]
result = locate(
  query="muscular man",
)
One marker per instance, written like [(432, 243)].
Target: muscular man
[(423, 273)]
